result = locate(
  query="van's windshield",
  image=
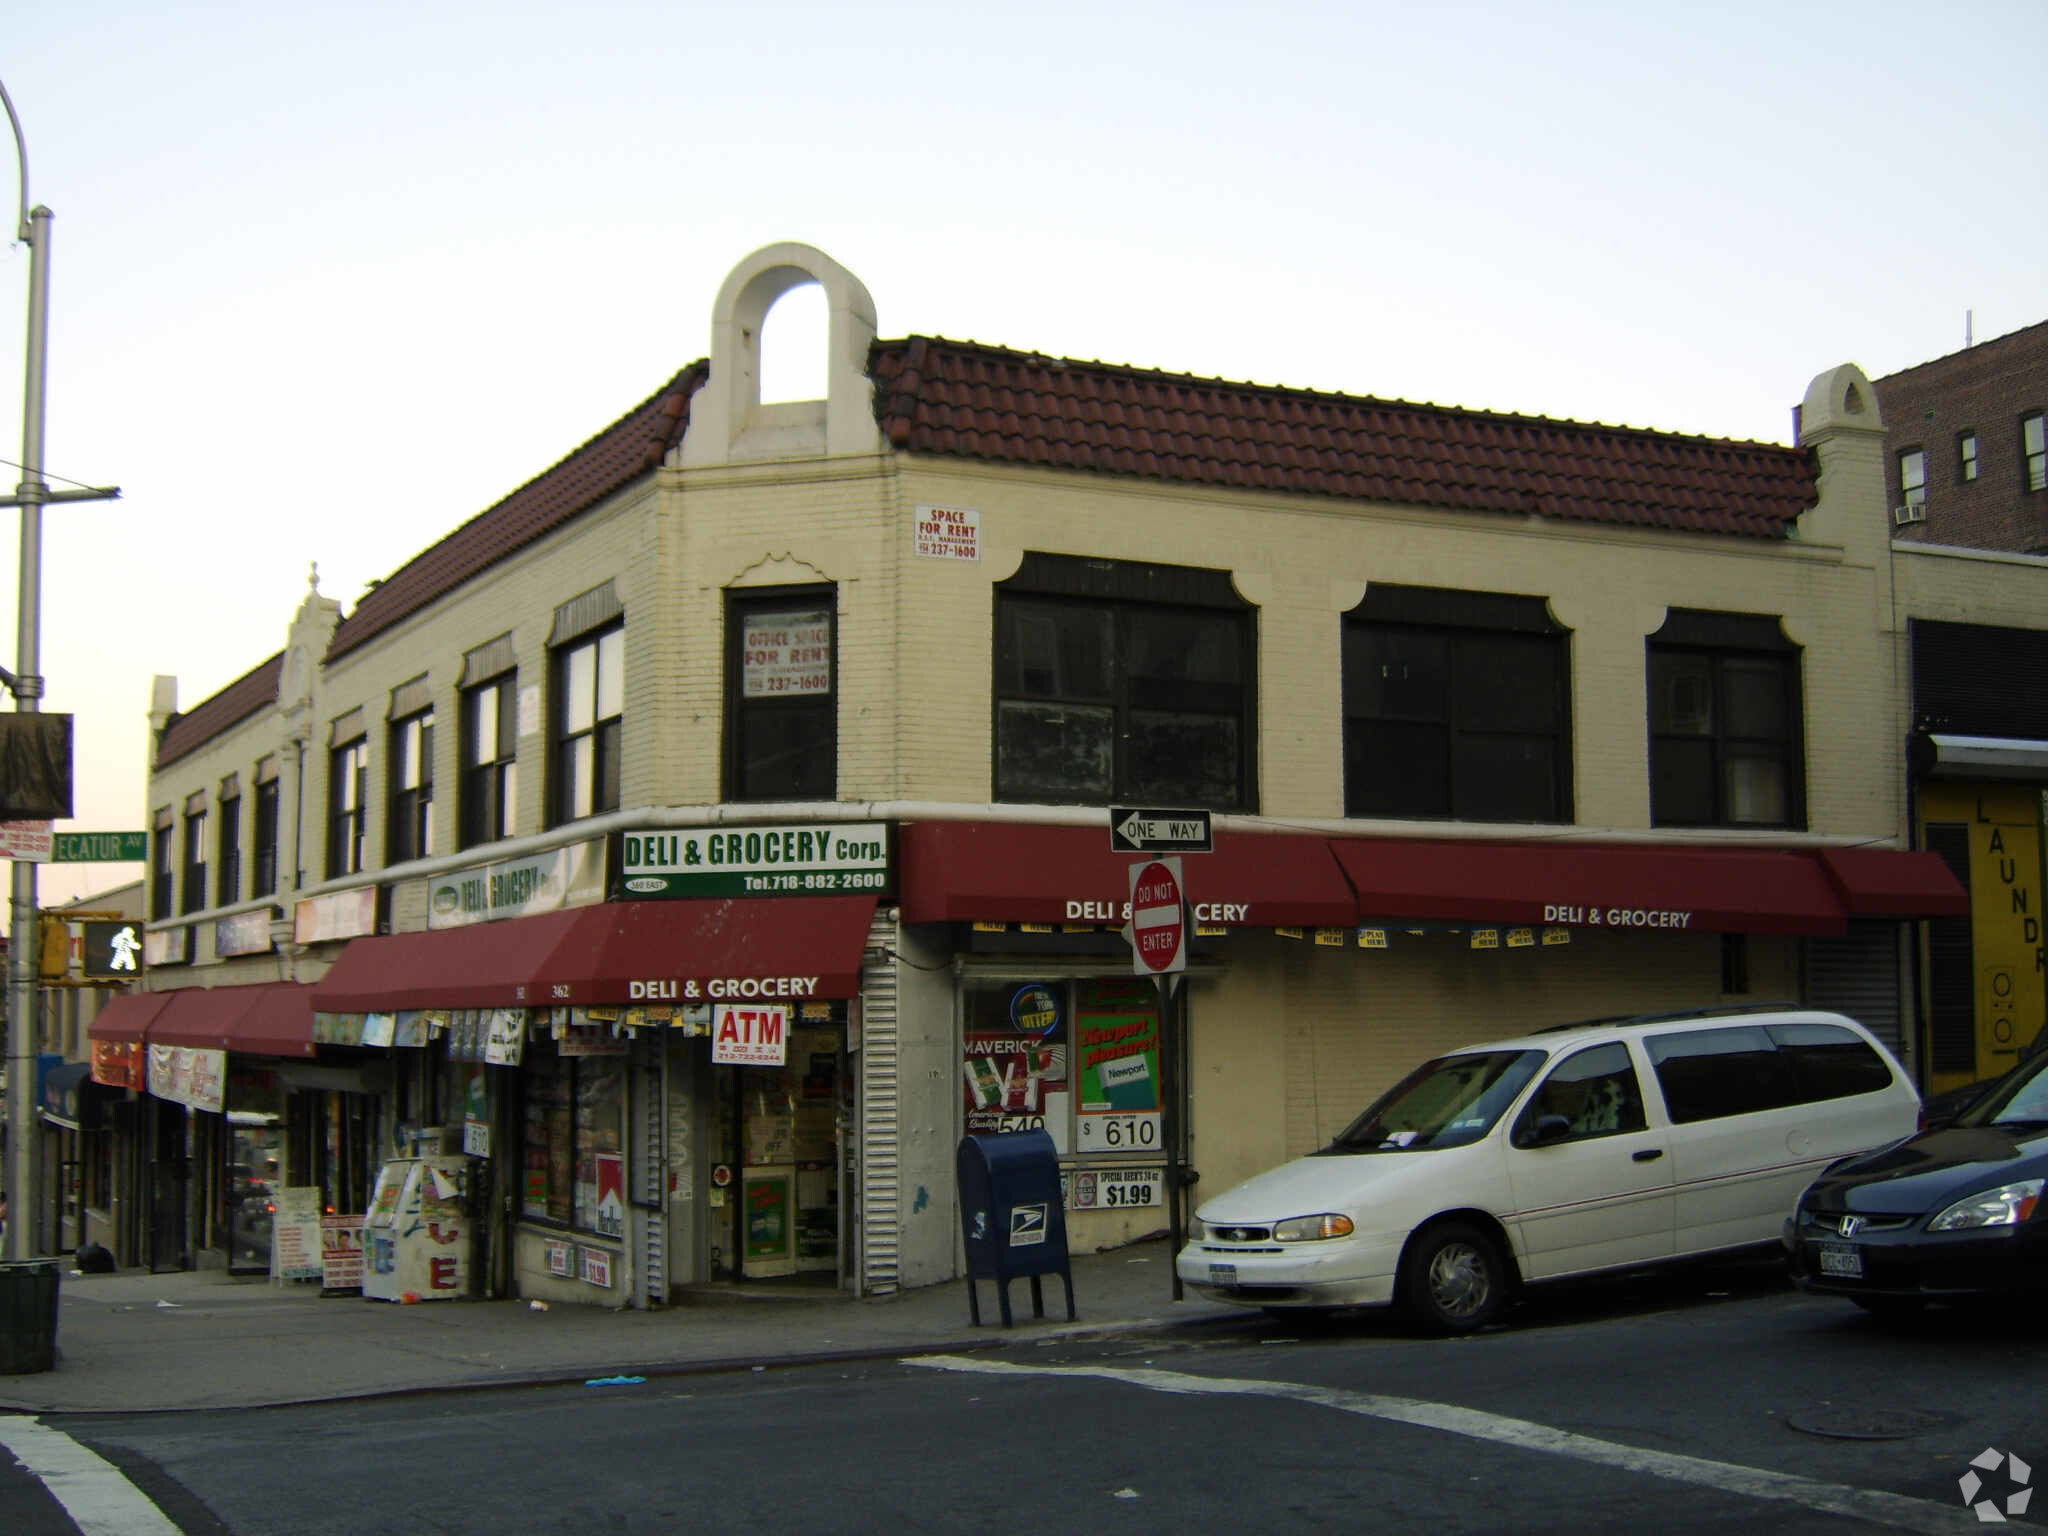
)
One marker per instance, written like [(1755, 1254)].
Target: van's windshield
[(1443, 1103)]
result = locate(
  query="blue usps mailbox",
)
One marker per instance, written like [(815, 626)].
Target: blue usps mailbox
[(1012, 1217)]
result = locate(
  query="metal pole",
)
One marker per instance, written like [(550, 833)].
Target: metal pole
[(23, 1206)]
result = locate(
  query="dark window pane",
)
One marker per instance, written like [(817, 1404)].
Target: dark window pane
[(1753, 697), (1397, 769), (1185, 661), (1183, 759), (785, 754), (1682, 782), (1053, 651), (1507, 683), (1681, 694), (1397, 674), (1506, 778), (1054, 752)]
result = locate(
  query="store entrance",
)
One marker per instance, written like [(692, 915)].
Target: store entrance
[(780, 1138)]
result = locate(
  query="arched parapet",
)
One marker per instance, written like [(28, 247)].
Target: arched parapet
[(728, 423), (1836, 401)]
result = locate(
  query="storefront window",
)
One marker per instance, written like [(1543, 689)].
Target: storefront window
[(573, 1157), (1077, 1059)]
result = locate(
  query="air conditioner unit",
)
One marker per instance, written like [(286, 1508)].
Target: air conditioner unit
[(1906, 516)]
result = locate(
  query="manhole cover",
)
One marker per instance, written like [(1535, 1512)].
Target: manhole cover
[(1864, 1423)]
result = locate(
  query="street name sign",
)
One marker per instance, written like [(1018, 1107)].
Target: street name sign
[(1133, 830), (100, 848), (1158, 918)]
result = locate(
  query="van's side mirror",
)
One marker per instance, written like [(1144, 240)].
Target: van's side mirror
[(1548, 1128)]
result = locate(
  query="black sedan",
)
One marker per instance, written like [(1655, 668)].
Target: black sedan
[(1951, 1213)]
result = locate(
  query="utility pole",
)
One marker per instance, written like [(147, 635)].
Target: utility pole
[(26, 683)]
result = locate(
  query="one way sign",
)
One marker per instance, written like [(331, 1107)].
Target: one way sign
[(1148, 831)]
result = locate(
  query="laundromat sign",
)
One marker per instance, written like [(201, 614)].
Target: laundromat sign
[(816, 859)]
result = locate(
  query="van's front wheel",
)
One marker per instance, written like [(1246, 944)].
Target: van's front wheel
[(1453, 1279)]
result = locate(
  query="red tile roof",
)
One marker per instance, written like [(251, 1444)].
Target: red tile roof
[(627, 449), (966, 400), (972, 401), (193, 729)]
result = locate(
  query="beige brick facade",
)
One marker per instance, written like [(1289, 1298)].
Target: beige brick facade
[(1290, 1038)]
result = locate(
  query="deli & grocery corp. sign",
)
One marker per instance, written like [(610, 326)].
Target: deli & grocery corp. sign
[(815, 859)]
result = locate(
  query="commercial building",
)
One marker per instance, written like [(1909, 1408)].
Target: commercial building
[(706, 835)]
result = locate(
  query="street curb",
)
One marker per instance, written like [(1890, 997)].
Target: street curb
[(660, 1370)]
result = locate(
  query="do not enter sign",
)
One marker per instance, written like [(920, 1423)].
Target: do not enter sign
[(1158, 923)]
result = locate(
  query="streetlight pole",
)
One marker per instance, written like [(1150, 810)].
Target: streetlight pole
[(27, 684)]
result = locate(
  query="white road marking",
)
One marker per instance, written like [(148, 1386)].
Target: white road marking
[(1890, 1509), (99, 1500)]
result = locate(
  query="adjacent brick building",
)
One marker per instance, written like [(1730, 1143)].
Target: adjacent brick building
[(1966, 448)]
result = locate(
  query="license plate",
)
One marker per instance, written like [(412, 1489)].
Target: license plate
[(1223, 1274), (1846, 1263)]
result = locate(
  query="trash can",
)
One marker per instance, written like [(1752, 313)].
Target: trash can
[(1012, 1217), (28, 1316)]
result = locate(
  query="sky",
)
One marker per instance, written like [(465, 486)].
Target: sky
[(327, 281)]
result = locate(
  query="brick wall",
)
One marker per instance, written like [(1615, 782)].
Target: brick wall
[(1986, 388)]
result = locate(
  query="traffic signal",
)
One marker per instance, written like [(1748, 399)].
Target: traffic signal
[(112, 951), (53, 948)]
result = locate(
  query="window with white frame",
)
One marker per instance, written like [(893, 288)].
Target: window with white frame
[(1913, 478), (195, 858), (228, 865), (2033, 452), (410, 801), (590, 706), (1966, 455), (348, 784), (490, 760)]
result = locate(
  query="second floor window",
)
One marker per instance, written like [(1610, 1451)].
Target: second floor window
[(162, 882), (411, 799), (229, 871), (264, 875), (195, 861), (1966, 455), (781, 707), (490, 760), (1120, 683), (2033, 453), (590, 706), (348, 783), (1727, 745), (1456, 706)]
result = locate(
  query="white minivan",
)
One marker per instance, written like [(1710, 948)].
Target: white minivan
[(1612, 1144)]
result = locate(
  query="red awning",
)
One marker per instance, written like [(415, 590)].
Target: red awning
[(1644, 888), (126, 1018), (787, 948), (485, 965), (1010, 872), (1877, 882), (195, 1016)]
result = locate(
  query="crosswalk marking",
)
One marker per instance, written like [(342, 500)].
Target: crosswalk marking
[(1891, 1509), (99, 1500)]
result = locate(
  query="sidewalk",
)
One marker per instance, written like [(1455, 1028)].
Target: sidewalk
[(136, 1342)]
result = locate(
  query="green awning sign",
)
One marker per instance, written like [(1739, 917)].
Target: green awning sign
[(99, 848)]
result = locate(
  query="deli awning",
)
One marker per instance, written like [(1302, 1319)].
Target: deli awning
[(1010, 872), (1877, 882), (126, 1019), (777, 948), (273, 1018), (1637, 887)]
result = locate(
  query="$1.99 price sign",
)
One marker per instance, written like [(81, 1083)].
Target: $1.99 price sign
[(1105, 1189)]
